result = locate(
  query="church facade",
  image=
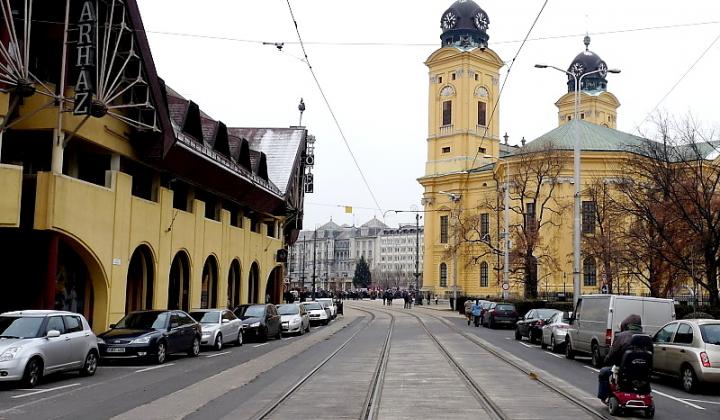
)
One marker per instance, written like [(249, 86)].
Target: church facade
[(485, 199)]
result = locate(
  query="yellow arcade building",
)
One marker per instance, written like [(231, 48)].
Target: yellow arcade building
[(118, 193), (469, 165)]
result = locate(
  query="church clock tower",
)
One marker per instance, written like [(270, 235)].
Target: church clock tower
[(597, 105), (464, 87)]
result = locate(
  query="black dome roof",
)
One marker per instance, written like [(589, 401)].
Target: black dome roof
[(587, 62), (465, 25)]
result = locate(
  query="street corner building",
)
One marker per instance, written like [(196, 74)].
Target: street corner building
[(499, 217), (118, 194)]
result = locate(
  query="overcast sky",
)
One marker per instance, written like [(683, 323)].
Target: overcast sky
[(369, 55)]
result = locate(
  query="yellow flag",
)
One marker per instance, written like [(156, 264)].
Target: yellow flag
[(348, 209)]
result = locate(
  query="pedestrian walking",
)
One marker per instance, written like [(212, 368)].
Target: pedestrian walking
[(468, 310), (476, 310)]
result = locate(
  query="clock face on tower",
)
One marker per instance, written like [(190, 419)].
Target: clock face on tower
[(448, 21), (603, 69), (577, 69), (481, 20)]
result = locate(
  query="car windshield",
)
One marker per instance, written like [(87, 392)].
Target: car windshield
[(544, 313), (711, 333), (288, 310), (505, 308), (255, 311), (20, 327), (313, 306), (144, 321), (206, 317)]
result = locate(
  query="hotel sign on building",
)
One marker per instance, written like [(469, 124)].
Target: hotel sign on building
[(85, 62)]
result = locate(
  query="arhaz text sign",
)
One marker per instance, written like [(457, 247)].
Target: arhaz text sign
[(85, 59)]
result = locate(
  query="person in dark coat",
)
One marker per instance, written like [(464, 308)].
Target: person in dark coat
[(628, 328)]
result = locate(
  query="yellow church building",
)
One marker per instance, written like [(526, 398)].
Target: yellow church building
[(469, 167)]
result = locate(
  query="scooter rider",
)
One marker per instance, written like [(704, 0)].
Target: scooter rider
[(630, 326), (476, 311)]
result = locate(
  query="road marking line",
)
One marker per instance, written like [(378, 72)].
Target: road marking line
[(554, 354), (154, 367), (217, 354), (530, 346), (592, 368), (260, 345), (507, 338), (119, 367), (678, 400), (701, 401), (42, 391)]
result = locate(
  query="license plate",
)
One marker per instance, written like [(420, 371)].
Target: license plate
[(116, 350)]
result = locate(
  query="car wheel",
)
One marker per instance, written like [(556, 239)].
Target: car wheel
[(326, 322), (308, 328), (542, 343), (90, 366), (613, 406), (688, 378), (650, 412), (218, 342), (569, 352), (517, 335), (532, 337), (491, 323), (301, 331), (239, 341), (596, 359), (161, 353), (194, 350), (553, 344), (278, 336), (33, 373)]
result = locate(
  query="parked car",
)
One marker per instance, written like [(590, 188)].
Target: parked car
[(553, 332), (689, 350), (152, 335), (531, 324), (597, 319), (294, 318), (219, 327), (318, 314), (500, 314), (36, 343), (330, 304), (260, 321)]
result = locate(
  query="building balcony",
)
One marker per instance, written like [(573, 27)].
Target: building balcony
[(11, 177), (446, 130)]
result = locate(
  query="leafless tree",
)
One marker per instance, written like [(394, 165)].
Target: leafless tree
[(673, 192)]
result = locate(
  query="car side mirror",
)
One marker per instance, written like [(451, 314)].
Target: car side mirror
[(112, 326), (225, 321), (53, 334), (174, 325)]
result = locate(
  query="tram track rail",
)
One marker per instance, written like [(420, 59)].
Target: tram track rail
[(370, 406), (492, 408)]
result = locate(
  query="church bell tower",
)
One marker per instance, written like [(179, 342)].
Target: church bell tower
[(463, 116)]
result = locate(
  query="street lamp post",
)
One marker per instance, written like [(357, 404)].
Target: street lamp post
[(576, 172), (506, 239), (418, 297)]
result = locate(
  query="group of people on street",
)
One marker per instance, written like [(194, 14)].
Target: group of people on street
[(407, 296)]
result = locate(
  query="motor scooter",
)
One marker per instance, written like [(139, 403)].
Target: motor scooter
[(630, 382)]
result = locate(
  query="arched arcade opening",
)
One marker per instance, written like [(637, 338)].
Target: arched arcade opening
[(254, 283), (179, 284), (140, 280), (233, 290), (209, 290)]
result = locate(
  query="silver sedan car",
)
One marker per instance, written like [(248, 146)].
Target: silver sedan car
[(294, 318), (553, 333), (219, 327), (37, 343)]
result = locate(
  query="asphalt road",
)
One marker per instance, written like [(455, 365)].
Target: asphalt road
[(670, 400), (119, 387)]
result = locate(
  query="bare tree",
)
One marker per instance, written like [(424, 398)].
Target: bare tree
[(534, 208), (675, 194)]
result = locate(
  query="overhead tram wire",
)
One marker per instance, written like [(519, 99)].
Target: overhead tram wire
[(332, 113), (420, 44), (669, 92), (502, 88)]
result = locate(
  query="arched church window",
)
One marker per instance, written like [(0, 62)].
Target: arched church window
[(481, 92), (447, 91)]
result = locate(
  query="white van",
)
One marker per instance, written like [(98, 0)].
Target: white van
[(597, 319)]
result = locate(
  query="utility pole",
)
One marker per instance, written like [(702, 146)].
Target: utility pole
[(314, 253), (418, 297), (302, 263)]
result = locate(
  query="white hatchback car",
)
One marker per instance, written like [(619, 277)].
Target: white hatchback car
[(330, 304), (318, 314), (36, 343)]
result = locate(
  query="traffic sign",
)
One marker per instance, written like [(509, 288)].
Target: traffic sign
[(506, 286)]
